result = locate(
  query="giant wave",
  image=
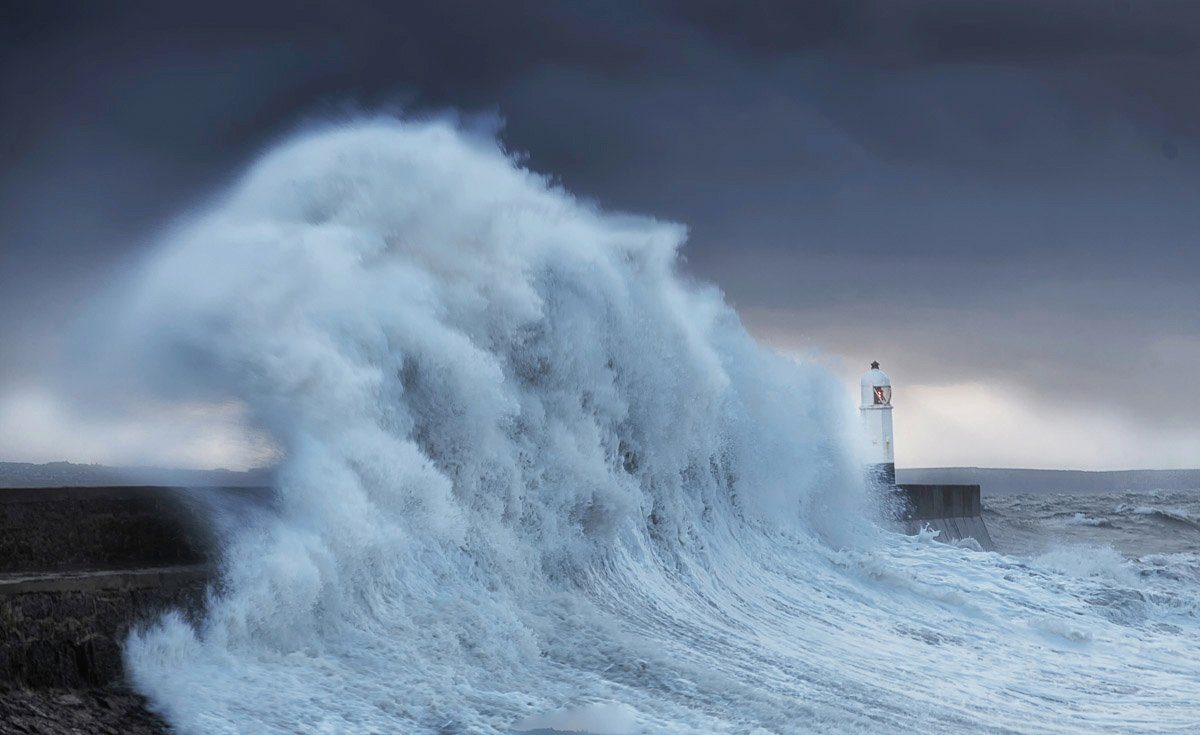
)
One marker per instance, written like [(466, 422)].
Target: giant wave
[(533, 477)]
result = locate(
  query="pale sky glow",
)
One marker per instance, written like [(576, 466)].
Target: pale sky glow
[(1001, 424), (36, 426), (972, 424), (937, 425), (960, 401)]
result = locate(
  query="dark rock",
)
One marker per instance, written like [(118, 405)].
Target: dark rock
[(113, 709), (79, 567), (71, 635)]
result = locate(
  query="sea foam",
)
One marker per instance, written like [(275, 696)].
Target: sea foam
[(531, 475)]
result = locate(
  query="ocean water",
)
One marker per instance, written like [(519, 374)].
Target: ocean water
[(535, 479)]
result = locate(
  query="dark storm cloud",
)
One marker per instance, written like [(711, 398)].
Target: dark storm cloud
[(995, 190)]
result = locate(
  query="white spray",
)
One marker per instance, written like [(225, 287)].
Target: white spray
[(482, 388), (531, 477)]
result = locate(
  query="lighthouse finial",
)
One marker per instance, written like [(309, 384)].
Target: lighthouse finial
[(874, 364)]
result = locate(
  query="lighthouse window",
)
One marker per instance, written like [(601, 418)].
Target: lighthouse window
[(883, 395)]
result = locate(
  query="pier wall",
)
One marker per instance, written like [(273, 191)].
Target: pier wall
[(954, 511), (80, 566), (66, 631)]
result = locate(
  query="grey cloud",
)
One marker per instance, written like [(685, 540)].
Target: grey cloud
[(1011, 184)]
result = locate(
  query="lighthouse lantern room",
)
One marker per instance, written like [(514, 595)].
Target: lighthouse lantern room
[(876, 411)]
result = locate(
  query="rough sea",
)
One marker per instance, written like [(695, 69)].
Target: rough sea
[(1142, 547), (534, 477)]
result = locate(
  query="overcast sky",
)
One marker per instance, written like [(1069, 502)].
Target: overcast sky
[(997, 200)]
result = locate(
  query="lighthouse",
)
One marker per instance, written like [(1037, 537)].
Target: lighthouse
[(953, 511), (876, 412)]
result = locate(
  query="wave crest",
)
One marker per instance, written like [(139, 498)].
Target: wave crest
[(488, 395)]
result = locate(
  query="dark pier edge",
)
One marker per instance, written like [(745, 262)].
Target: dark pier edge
[(78, 568), (954, 511)]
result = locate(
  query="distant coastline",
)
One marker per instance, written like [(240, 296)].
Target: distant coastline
[(993, 480), (69, 474), (1004, 481)]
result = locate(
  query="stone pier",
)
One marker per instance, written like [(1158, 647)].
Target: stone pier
[(954, 511), (78, 568)]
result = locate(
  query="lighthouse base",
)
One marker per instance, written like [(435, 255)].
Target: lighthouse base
[(954, 511)]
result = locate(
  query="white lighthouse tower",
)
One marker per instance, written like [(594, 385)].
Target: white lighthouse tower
[(876, 411)]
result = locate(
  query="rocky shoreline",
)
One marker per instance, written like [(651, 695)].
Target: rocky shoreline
[(109, 710)]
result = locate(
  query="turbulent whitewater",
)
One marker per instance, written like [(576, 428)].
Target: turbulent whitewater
[(532, 477)]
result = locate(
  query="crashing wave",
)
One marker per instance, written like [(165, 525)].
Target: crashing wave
[(533, 476)]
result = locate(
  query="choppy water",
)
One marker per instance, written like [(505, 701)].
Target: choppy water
[(533, 478), (1136, 524), (1146, 544)]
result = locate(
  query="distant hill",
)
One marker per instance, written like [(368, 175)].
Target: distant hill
[(67, 474), (996, 481)]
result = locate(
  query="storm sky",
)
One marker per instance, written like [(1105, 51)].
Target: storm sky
[(997, 200)]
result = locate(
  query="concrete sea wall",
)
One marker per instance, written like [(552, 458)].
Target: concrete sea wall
[(80, 566), (66, 630), (954, 511), (55, 529)]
